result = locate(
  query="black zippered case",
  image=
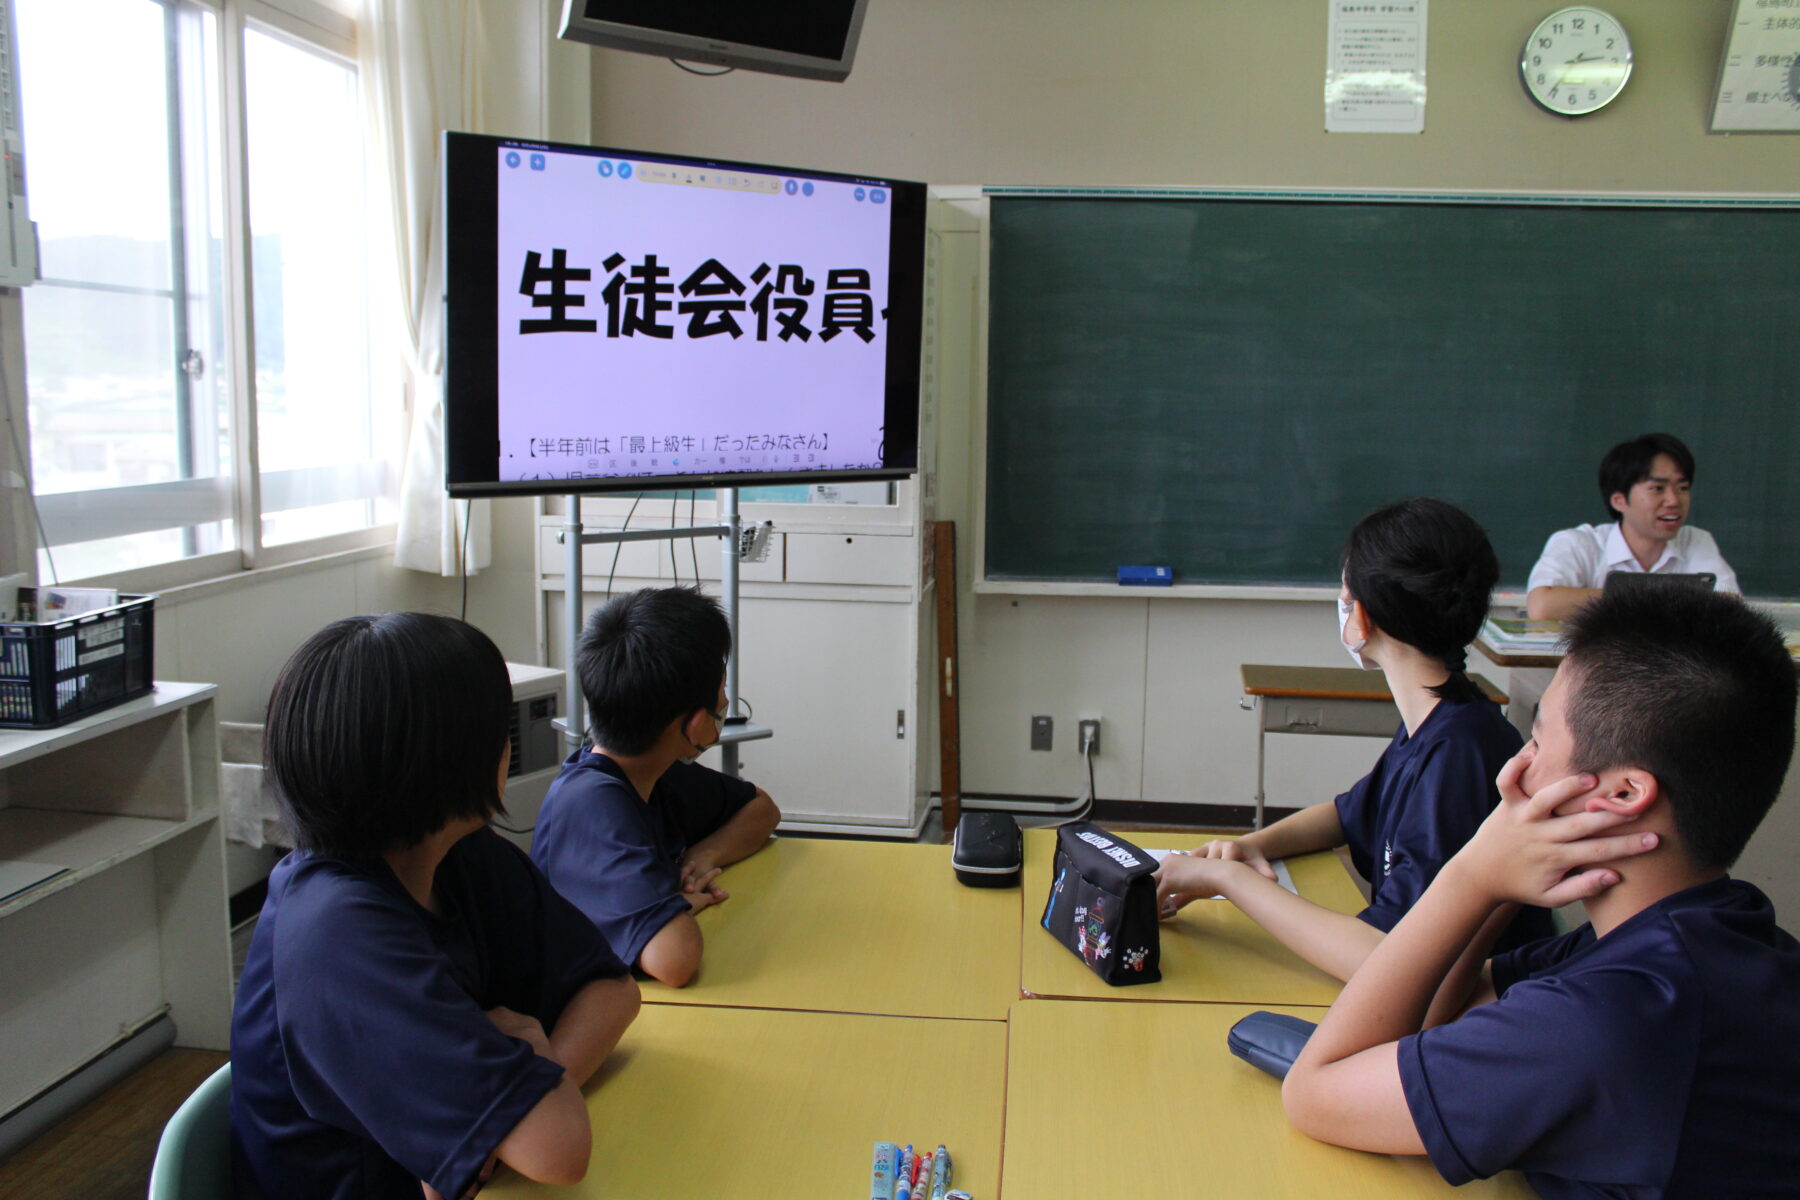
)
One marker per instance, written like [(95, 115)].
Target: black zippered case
[(989, 851)]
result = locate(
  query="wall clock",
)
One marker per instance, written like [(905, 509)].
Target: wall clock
[(1576, 60)]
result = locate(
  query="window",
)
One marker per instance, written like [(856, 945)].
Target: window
[(203, 318)]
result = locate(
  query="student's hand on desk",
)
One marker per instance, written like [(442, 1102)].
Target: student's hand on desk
[(1232, 851), (523, 1027), (706, 896), (1184, 876), (486, 1173), (698, 871), (1525, 852)]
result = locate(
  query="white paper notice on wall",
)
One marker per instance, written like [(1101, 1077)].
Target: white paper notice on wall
[(1759, 74), (1375, 67)]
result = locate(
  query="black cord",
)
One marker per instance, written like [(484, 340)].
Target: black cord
[(694, 543), (618, 546), (462, 556), (1091, 797), (702, 74), (674, 561)]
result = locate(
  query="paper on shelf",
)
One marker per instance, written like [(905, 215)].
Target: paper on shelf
[(17, 878)]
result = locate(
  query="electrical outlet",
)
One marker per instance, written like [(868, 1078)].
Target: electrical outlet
[(1088, 740), (1043, 731)]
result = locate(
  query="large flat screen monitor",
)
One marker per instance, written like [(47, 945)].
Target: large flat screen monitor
[(626, 321), (814, 39)]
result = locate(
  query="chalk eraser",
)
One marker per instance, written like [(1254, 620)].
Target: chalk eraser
[(1146, 576)]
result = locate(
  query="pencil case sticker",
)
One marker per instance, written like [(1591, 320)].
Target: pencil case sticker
[(1102, 904)]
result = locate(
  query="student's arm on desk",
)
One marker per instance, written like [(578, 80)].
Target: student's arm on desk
[(591, 1025), (1556, 603), (1345, 1087), (1334, 942), (1313, 828), (672, 955), (744, 834), (553, 1142)]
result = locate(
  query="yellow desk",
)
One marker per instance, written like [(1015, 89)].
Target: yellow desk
[(737, 1102), (1210, 951), (856, 927), (1172, 1113)]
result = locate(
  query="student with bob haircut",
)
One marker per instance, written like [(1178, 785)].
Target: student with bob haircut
[(418, 1003), (633, 830), (1652, 1053), (1416, 580), (1646, 485)]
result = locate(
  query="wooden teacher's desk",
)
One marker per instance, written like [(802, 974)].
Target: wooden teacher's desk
[(736, 1102), (856, 927), (1211, 952), (1129, 1100)]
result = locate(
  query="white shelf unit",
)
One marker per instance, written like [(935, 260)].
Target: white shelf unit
[(128, 801), (834, 643)]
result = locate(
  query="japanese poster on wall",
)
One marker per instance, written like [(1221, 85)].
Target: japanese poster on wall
[(1375, 67), (1759, 77)]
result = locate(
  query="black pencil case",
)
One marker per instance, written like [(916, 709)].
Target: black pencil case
[(989, 850), (1102, 904), (1270, 1041)]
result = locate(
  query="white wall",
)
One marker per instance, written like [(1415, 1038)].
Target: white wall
[(1193, 93)]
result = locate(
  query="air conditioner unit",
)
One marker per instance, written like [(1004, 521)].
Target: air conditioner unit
[(537, 748)]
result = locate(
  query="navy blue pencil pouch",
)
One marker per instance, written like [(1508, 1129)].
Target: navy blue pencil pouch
[(1270, 1041)]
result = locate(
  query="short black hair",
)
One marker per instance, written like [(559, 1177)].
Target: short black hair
[(649, 657), (1628, 464), (383, 729), (1424, 569), (1695, 687)]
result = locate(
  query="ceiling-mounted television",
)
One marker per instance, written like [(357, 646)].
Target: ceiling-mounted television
[(814, 39), (625, 321)]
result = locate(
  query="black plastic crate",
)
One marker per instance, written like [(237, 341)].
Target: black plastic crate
[(54, 672)]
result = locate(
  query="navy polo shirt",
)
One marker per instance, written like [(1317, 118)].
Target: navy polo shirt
[(362, 1059), (618, 858), (1657, 1062), (1427, 795)]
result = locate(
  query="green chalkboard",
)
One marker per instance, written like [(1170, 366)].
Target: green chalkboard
[(1224, 385)]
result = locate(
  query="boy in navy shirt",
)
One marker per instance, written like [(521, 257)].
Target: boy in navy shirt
[(417, 1003), (633, 831), (1653, 1053)]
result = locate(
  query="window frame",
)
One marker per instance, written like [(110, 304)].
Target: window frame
[(330, 32)]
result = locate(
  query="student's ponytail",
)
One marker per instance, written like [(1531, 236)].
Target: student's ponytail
[(1424, 570)]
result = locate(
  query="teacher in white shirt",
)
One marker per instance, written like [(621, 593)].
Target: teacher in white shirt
[(1648, 483)]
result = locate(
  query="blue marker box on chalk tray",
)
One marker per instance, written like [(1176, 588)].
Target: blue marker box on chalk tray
[(1146, 576)]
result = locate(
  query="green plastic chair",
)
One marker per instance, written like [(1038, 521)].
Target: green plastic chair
[(193, 1159)]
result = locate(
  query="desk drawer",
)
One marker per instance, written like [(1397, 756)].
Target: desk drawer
[(1356, 718)]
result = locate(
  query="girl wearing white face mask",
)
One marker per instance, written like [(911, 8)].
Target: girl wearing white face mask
[(1416, 581)]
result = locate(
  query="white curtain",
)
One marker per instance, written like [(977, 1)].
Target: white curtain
[(423, 74)]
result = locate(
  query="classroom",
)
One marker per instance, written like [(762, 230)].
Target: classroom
[(837, 641)]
